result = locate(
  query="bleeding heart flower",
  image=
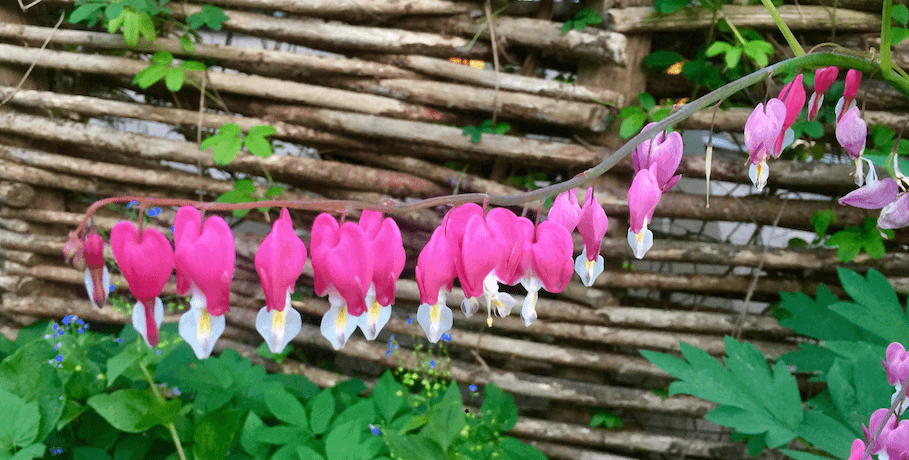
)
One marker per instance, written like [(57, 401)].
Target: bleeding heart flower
[(592, 227), (97, 276), (146, 262), (793, 96), (476, 254), (664, 151), (550, 265), (565, 210), (847, 102), (851, 133), (279, 262), (387, 249), (823, 78), (435, 274), (643, 197), (763, 127), (895, 214), (207, 262), (187, 227), (875, 194)]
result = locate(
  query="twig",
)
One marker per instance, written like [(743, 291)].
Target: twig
[(35, 62), (481, 361), (495, 59), (26, 7)]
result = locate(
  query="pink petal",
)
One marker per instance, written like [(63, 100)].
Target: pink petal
[(387, 249), (762, 129), (823, 78), (208, 263), (851, 132), (279, 261), (551, 256), (479, 255), (514, 236), (187, 227), (853, 80), (145, 264), (794, 96), (94, 250), (872, 196), (896, 214), (435, 267), (669, 155), (324, 235), (348, 267), (565, 210), (370, 221), (643, 197), (593, 225)]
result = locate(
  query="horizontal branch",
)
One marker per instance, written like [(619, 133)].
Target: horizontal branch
[(16, 194), (797, 17), (247, 85), (352, 10)]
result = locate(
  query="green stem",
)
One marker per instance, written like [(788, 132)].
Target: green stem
[(735, 30), (886, 65), (784, 29), (170, 425)]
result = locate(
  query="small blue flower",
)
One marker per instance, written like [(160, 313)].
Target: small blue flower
[(57, 346), (158, 352), (388, 353), (80, 322), (67, 319), (81, 330), (446, 337), (375, 430), (119, 340), (473, 387), (56, 326), (410, 320), (176, 391), (131, 204), (392, 337), (59, 450), (171, 228), (61, 399), (432, 363), (153, 211), (58, 358), (112, 288)]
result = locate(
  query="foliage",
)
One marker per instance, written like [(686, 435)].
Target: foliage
[(581, 20), (635, 117), (245, 191), (850, 241), (229, 140), (899, 15), (763, 406), (607, 420), (102, 396), (476, 132), (162, 67), (758, 50)]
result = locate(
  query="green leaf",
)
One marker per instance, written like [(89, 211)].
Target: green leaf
[(174, 79), (802, 455), (258, 146), (84, 12), (900, 14), (662, 59), (307, 453), (281, 434), (214, 434), (248, 437), (286, 408), (19, 421), (150, 75), (274, 191), (821, 220), (759, 51), (214, 16), (133, 447), (827, 433), (113, 25), (501, 128), (245, 186), (517, 450), (113, 11), (34, 451), (632, 124), (321, 409), (446, 420), (90, 453), (498, 409), (122, 361), (388, 396), (669, 6), (162, 58), (26, 374), (363, 412), (897, 35), (848, 244), (147, 28), (411, 446), (343, 442), (876, 308), (262, 131), (732, 57), (188, 45), (134, 411), (233, 196), (717, 48), (131, 27), (647, 101), (225, 152), (414, 422), (814, 318)]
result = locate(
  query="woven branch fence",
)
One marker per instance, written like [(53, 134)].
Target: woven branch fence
[(369, 104)]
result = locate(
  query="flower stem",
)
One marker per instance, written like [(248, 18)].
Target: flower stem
[(784, 29), (170, 425), (885, 39)]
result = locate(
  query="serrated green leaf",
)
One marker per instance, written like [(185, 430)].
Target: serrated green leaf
[(814, 318), (876, 308), (827, 433), (174, 79), (717, 48)]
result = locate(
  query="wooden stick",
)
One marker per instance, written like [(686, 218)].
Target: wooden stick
[(15, 194), (802, 18), (353, 10), (530, 108), (464, 73), (286, 168), (261, 61), (335, 36), (248, 85)]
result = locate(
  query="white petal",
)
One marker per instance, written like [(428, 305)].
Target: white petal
[(503, 302), (586, 269), (860, 172), (839, 107), (469, 306), (788, 139), (139, 319), (759, 174), (201, 330), (373, 320), (337, 326), (90, 284), (640, 242), (528, 310), (435, 319), (278, 328)]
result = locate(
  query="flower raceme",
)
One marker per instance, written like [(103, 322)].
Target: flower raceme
[(643, 197), (591, 222), (762, 129), (793, 97), (663, 151), (823, 78), (387, 251), (97, 276)]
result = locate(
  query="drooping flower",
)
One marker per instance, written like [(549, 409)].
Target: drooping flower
[(793, 97), (565, 209), (875, 194), (513, 236), (342, 268), (206, 260), (847, 102), (279, 262), (857, 449), (823, 78), (550, 265), (761, 131), (664, 151), (435, 274), (146, 262), (188, 227), (851, 133), (643, 197), (877, 418), (476, 254), (897, 367), (895, 214), (97, 276), (592, 227), (388, 257)]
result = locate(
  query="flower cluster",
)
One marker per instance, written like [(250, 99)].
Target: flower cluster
[(893, 441)]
